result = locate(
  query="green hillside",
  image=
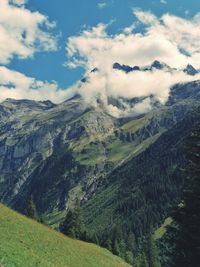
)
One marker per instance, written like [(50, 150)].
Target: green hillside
[(26, 243)]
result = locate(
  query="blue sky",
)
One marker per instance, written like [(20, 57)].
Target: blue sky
[(47, 46), (72, 15)]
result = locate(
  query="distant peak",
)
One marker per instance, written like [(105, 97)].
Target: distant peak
[(125, 68), (28, 103), (190, 70), (17, 101), (95, 70), (157, 65), (74, 97), (48, 103)]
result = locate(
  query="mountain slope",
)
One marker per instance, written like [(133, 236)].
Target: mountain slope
[(124, 171), (58, 153), (139, 193), (25, 243)]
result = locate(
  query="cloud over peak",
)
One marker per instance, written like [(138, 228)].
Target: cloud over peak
[(163, 39), (169, 39)]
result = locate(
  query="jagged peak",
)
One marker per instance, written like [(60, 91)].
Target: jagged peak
[(125, 68), (155, 65), (158, 65), (190, 70)]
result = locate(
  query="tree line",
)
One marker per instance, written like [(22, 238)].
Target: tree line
[(134, 241)]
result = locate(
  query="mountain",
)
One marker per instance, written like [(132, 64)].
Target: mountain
[(27, 243), (190, 70), (125, 68), (125, 172), (156, 65), (57, 151)]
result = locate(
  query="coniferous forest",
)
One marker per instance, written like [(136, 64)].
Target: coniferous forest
[(136, 242)]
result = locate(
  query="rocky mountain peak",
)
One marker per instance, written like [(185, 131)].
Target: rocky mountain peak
[(125, 68), (190, 70), (158, 65), (155, 65)]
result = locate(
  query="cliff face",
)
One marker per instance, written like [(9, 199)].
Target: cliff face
[(36, 137), (58, 153)]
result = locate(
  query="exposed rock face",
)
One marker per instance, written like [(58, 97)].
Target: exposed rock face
[(59, 152), (190, 70), (32, 134), (157, 65), (125, 68)]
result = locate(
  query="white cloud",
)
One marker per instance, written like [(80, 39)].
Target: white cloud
[(16, 85), (163, 2), (23, 32), (163, 39), (119, 85), (102, 5), (145, 17)]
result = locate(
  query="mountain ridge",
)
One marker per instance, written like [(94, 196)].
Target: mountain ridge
[(156, 65)]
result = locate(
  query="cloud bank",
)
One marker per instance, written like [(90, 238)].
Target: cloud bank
[(169, 39), (16, 85), (23, 32)]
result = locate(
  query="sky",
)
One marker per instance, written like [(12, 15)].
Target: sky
[(47, 46)]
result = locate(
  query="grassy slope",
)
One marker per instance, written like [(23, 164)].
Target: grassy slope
[(159, 233), (25, 243)]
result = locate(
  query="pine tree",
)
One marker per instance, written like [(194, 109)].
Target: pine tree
[(31, 209), (122, 248), (143, 261), (186, 230), (108, 244), (131, 242), (129, 257), (116, 248), (95, 239), (73, 225), (152, 252), (42, 220)]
